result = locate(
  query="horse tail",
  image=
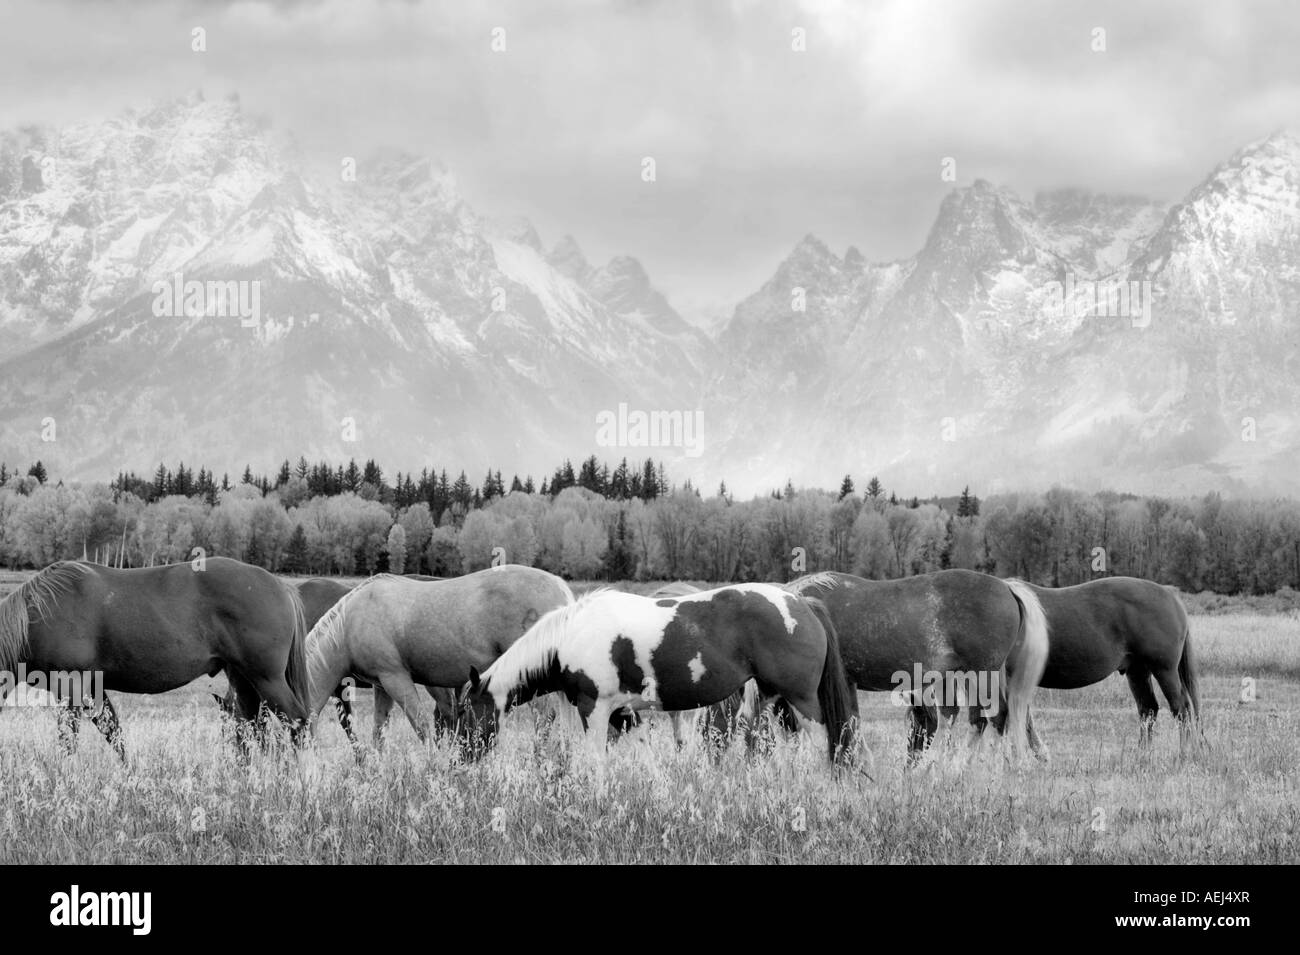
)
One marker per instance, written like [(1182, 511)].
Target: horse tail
[(295, 672), (1187, 673), (1028, 659), (838, 701)]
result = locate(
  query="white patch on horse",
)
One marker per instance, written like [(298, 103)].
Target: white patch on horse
[(698, 669), (780, 599)]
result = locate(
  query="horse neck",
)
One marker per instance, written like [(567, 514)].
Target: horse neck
[(328, 662)]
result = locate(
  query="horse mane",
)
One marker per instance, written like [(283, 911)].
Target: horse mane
[(532, 655), (36, 595), (822, 580), (329, 634)]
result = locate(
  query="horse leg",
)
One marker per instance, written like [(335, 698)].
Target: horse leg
[(398, 685), (106, 722), (596, 724), (383, 708), (1139, 681), (247, 714), (923, 721), (444, 708), (1180, 704), (343, 706), (69, 717), (808, 717)]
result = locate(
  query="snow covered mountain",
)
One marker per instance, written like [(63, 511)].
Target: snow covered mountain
[(1089, 340), (394, 322)]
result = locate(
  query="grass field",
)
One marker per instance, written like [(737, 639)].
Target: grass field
[(185, 798)]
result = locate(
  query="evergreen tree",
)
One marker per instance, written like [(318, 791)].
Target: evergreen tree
[(846, 488), (301, 469), (968, 505), (295, 554), (620, 483), (282, 478), (352, 476), (875, 488), (161, 482), (248, 475), (529, 487), (37, 471), (515, 485), (650, 488)]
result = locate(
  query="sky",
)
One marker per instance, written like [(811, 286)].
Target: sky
[(756, 144)]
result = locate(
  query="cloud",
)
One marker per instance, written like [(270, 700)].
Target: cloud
[(756, 144)]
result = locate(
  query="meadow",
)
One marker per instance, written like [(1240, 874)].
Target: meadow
[(185, 797)]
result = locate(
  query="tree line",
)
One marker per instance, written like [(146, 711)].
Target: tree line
[(630, 522)]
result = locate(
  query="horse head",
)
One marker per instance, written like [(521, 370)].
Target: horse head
[(478, 715)]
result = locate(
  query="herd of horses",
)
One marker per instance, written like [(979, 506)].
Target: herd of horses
[(487, 642)]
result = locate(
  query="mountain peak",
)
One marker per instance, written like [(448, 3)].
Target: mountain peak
[(517, 229), (567, 258)]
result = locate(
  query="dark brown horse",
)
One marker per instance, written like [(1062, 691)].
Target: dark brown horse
[(1135, 627), (154, 629), (953, 624)]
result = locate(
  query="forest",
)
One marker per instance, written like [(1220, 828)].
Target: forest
[(631, 522)]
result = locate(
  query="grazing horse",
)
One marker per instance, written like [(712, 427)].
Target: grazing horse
[(153, 629), (949, 623), (318, 595), (611, 649), (1136, 627), (395, 632)]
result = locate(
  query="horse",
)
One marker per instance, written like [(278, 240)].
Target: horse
[(610, 649), (153, 629), (719, 721), (395, 632), (948, 623), (318, 595), (1136, 627)]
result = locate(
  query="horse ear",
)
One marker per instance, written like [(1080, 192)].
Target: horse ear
[(474, 678)]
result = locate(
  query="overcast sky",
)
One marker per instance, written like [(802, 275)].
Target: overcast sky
[(756, 145)]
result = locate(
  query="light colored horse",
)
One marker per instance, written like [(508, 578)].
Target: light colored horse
[(396, 633)]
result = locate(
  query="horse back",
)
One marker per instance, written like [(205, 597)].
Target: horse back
[(1104, 625), (948, 620)]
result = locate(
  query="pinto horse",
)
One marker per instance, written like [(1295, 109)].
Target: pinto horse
[(1136, 627), (949, 622), (153, 629), (611, 649), (395, 632)]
